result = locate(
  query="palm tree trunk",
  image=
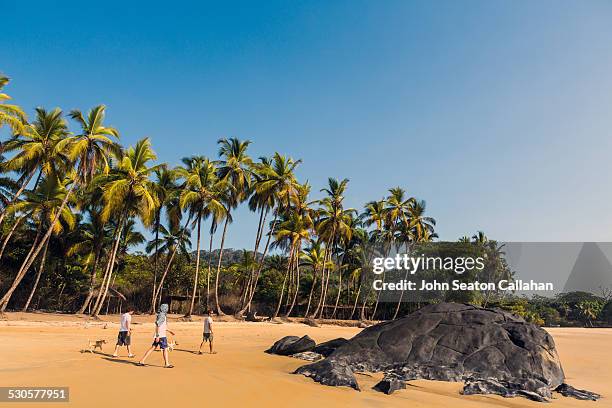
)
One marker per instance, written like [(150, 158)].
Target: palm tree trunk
[(92, 282), (20, 274), (163, 277), (212, 234), (219, 311), (41, 268), (326, 260), (23, 186), (29, 260), (261, 264), (314, 281), (339, 292), (280, 299), (251, 278), (111, 266), (105, 277), (296, 266), (197, 268), (155, 258), (356, 299), (399, 302), (10, 234)]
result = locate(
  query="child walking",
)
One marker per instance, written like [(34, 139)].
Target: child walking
[(161, 339)]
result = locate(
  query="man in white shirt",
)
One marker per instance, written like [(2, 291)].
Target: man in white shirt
[(207, 336), (125, 333)]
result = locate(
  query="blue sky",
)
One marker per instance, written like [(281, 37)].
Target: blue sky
[(497, 113)]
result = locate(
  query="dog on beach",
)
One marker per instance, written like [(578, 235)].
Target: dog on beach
[(172, 345), (92, 345)]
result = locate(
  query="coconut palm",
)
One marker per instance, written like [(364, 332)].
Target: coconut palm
[(10, 115), (332, 225), (128, 192), (480, 238), (36, 149), (313, 257), (167, 192), (95, 236), (201, 198), (275, 187), (90, 151), (292, 232), (173, 241), (44, 205), (236, 172)]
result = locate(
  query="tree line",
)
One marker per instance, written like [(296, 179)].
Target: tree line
[(71, 199), (71, 195)]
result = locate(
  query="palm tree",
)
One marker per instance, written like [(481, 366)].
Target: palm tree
[(313, 257), (91, 151), (44, 205), (201, 197), (421, 229), (294, 230), (10, 115), (333, 223), (480, 238), (236, 171), (94, 237), (167, 192), (128, 192), (173, 241), (36, 150), (274, 187)]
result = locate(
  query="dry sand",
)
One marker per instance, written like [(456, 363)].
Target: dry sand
[(44, 350)]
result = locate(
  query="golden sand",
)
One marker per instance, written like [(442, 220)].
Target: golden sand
[(44, 350)]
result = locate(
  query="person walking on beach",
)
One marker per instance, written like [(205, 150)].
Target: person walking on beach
[(161, 339), (125, 333), (208, 332)]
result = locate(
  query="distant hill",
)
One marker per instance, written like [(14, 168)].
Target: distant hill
[(230, 256)]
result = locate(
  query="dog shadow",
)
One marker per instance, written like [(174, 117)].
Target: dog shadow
[(100, 353), (186, 351)]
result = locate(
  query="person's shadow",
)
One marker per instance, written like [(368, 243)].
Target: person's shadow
[(127, 362)]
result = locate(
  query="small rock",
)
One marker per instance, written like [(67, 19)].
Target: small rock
[(308, 356), (568, 391), (390, 385), (311, 322), (289, 345)]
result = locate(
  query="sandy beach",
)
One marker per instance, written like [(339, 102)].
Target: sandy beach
[(45, 350)]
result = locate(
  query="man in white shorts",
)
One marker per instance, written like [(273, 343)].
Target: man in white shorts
[(207, 336), (125, 333)]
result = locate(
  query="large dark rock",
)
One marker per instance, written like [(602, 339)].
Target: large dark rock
[(330, 346), (292, 345), (491, 350)]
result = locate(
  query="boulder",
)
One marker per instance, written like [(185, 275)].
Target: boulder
[(491, 350), (328, 347), (289, 345)]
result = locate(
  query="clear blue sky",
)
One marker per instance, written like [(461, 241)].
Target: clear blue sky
[(497, 113)]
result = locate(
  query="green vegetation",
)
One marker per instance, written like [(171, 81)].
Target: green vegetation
[(71, 198)]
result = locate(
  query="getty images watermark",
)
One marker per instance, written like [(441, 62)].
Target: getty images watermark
[(411, 265), (462, 270)]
